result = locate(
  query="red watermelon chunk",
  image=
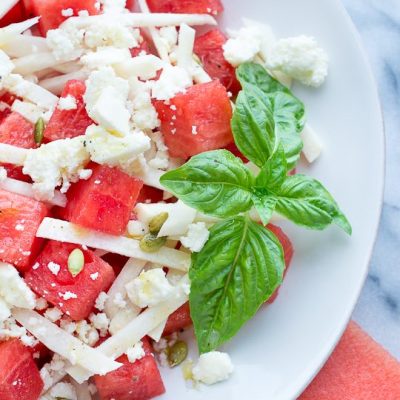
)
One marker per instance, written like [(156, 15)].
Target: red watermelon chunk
[(69, 123), (196, 121), (213, 7), (178, 320), (287, 251), (140, 380), (75, 296), (208, 48), (50, 11), (19, 375), (16, 14), (17, 131), (20, 218), (104, 202)]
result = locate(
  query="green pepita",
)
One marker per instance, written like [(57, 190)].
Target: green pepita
[(177, 353), (151, 243), (76, 261), (157, 222), (38, 131)]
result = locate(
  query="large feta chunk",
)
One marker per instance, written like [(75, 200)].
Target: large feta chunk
[(56, 163), (301, 58), (196, 237), (13, 288), (173, 80), (63, 390), (105, 56), (136, 352), (105, 148), (213, 367), (149, 288)]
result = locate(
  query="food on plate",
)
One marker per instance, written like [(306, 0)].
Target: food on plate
[(145, 167)]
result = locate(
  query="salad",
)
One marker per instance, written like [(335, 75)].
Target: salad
[(145, 167)]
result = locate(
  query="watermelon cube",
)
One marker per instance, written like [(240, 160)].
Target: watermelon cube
[(180, 319), (20, 218), (208, 48), (69, 123), (19, 376), (196, 121), (104, 202), (50, 14), (287, 251), (213, 7), (140, 380), (17, 131), (50, 278)]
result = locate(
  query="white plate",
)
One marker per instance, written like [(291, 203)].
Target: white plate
[(282, 348)]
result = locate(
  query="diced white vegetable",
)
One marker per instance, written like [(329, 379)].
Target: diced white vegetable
[(157, 332), (68, 67), (6, 6), (123, 318), (312, 146), (130, 271), (32, 63), (82, 390), (29, 111), (199, 74), (56, 84), (12, 154), (160, 46), (185, 47), (19, 27), (6, 65), (142, 20), (26, 189), (5, 311), (144, 67), (144, 323), (66, 232), (21, 45), (106, 56), (15, 84), (64, 344), (180, 216), (151, 177)]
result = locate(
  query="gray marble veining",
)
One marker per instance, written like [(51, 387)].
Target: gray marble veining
[(378, 310)]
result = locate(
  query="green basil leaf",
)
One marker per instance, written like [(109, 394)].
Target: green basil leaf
[(216, 183), (306, 202), (253, 125), (238, 269), (274, 171), (265, 206), (255, 74)]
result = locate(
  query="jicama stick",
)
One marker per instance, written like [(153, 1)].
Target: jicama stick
[(312, 146), (56, 84), (185, 47), (66, 232), (32, 63), (12, 154), (6, 6)]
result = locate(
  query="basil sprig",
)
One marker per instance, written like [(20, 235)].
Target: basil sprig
[(242, 263), (238, 269), (286, 110)]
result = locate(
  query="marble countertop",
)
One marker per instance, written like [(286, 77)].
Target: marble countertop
[(378, 309)]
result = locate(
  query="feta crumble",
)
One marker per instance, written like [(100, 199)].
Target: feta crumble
[(136, 352), (68, 12), (63, 390), (213, 367), (53, 267), (196, 237), (67, 103), (101, 322), (53, 314), (67, 296), (101, 301)]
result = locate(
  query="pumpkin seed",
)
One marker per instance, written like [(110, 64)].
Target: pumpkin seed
[(38, 131), (76, 261), (151, 243), (157, 222), (177, 353)]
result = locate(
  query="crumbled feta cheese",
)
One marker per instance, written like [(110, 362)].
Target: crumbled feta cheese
[(53, 314), (169, 37), (94, 276), (105, 56), (68, 325), (65, 43), (101, 322), (53, 267), (83, 13), (19, 227), (113, 6), (136, 352), (196, 237), (67, 296), (105, 148), (68, 12), (101, 300), (85, 174), (301, 58), (149, 288), (13, 288), (173, 80), (55, 163), (119, 301), (213, 367), (87, 333), (63, 390), (41, 303), (6, 65), (4, 311), (67, 103)]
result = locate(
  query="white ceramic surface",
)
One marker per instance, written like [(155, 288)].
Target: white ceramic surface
[(282, 348)]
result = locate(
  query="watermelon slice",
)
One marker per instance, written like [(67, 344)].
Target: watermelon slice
[(20, 218), (287, 251), (192, 123), (178, 320), (69, 123), (150, 193), (140, 380), (19, 375), (16, 14), (75, 296), (17, 131), (359, 369), (208, 48), (213, 7), (50, 11), (103, 202)]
